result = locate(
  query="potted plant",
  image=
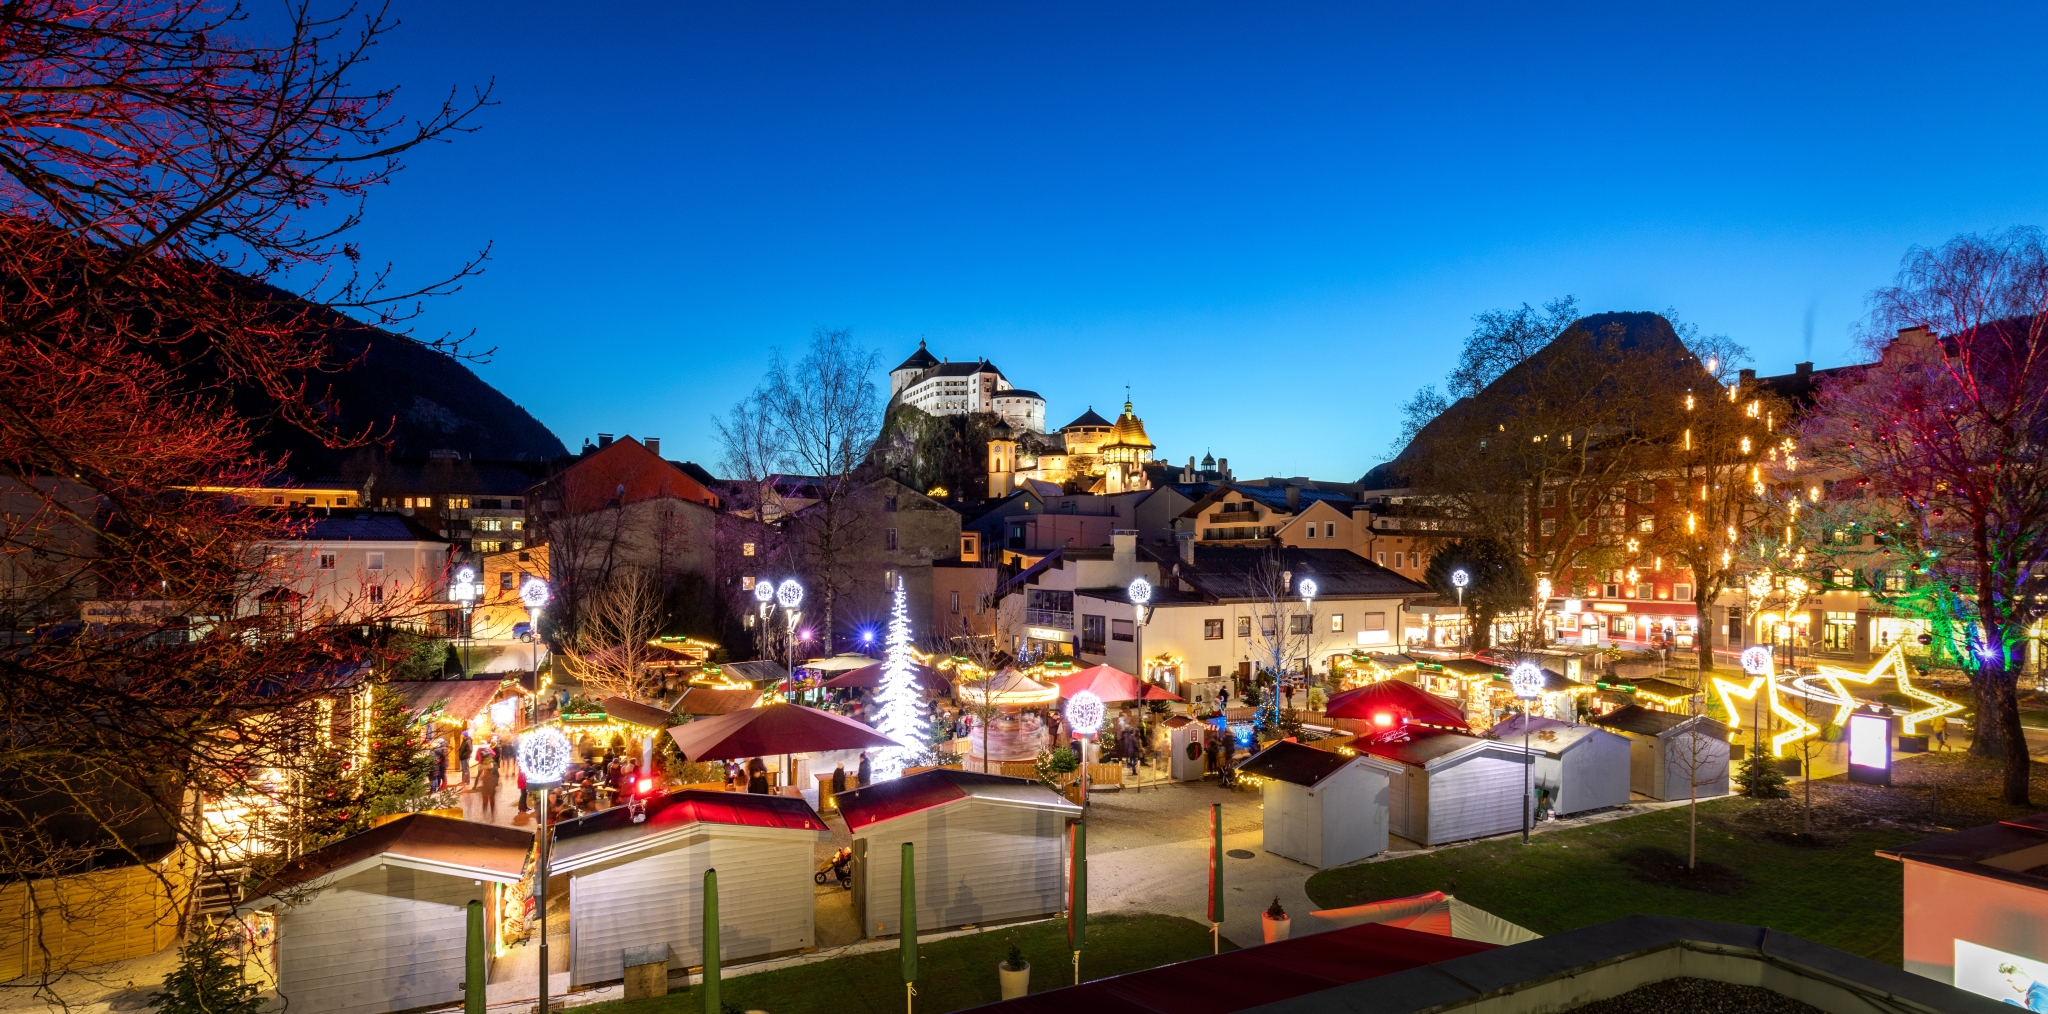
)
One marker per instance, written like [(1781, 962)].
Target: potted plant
[(1015, 973), (1274, 921)]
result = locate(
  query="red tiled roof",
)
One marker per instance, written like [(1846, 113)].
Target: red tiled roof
[(594, 482), (926, 789)]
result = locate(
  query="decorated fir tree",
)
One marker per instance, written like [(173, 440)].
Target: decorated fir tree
[(396, 772), (330, 804), (208, 979), (902, 707)]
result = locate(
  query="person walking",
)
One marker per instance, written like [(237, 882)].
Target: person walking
[(462, 753), (487, 791), (1127, 744), (865, 771), (1214, 752), (1941, 734), (437, 774)]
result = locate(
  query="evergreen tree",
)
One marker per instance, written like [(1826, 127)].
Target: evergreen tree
[(331, 805), (207, 980), (396, 772), (1760, 777), (902, 707)]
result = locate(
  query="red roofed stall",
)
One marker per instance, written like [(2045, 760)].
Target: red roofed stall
[(637, 885)]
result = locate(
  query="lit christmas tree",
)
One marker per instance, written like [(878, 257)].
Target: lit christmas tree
[(902, 707)]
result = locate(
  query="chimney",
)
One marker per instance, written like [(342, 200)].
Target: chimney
[(1124, 546), (653, 445), (1294, 499), (604, 440), (1748, 376), (1223, 468), (1802, 369), (1187, 547)]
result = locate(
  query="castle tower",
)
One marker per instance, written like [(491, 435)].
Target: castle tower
[(902, 376)]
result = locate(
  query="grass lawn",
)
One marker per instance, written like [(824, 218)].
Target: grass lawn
[(952, 974), (1836, 893)]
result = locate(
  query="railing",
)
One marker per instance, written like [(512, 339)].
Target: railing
[(1235, 517), (1049, 618)]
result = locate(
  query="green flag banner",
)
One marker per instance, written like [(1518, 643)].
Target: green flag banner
[(909, 914), (711, 1004)]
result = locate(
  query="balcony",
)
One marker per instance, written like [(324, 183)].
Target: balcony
[(1234, 517), (1054, 618)]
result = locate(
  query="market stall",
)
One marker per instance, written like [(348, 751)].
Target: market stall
[(378, 920), (780, 732), (1447, 786), (482, 708), (1322, 807), (1392, 704), (1579, 767), (1672, 756), (636, 878), (989, 848)]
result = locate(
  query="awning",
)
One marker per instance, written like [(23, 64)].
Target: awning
[(1111, 684), (775, 729)]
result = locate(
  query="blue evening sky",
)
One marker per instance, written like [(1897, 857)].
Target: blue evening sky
[(1274, 222)]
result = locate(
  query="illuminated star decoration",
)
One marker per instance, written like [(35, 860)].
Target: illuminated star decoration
[(1938, 707), (1758, 663)]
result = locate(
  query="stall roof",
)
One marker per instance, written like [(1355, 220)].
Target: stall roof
[(1288, 761), (607, 829), (754, 672), (926, 789), (1548, 735), (464, 698), (709, 701), (482, 850), (633, 712), (1983, 851), (1395, 697), (1426, 745), (1656, 687), (1645, 722), (1245, 979)]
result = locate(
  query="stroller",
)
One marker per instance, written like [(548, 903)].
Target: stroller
[(840, 865)]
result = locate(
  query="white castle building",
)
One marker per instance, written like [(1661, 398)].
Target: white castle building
[(946, 388)]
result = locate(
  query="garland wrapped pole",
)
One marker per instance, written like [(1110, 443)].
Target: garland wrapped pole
[(473, 974), (711, 998), (1077, 903)]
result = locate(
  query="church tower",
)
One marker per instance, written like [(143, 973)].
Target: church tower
[(1002, 459)]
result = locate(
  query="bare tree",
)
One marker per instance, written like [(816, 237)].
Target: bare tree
[(816, 417), (1284, 637), (610, 651)]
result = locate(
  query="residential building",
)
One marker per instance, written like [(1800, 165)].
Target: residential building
[(503, 574), (478, 506), (356, 567), (1245, 514), (623, 509), (948, 388), (963, 591), (886, 531), (1401, 533)]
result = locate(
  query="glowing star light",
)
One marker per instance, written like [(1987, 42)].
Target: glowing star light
[(543, 755), (1758, 663), (1894, 661)]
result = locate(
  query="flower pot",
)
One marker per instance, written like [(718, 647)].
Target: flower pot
[(1016, 981), (1275, 929)]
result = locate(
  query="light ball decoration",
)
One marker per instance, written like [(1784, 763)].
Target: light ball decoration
[(1756, 660), (1140, 591), (1084, 713), (1460, 578), (1307, 587), (1527, 679), (543, 755), (465, 587), (535, 594), (764, 590), (789, 594)]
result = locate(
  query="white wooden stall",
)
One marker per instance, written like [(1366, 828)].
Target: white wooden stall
[(1447, 786), (989, 849), (379, 920), (1321, 808), (1579, 767), (635, 886), (1672, 756)]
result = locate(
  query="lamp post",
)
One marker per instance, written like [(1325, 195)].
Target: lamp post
[(464, 590), (543, 757), (1307, 588), (789, 595), (534, 595), (1459, 579), (1084, 715), (1527, 679), (1140, 593), (764, 593)]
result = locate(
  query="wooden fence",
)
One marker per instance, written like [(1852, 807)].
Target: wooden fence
[(105, 915)]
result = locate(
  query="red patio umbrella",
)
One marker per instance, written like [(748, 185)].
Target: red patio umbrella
[(1111, 684), (870, 678), (1391, 703), (775, 729)]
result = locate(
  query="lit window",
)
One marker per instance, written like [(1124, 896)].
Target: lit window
[(747, 549), (425, 501), (1646, 524), (1336, 623), (458, 503), (1383, 558), (1212, 630), (1244, 626)]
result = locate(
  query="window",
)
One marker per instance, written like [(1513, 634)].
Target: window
[(1215, 672), (505, 581), (1414, 560), (1383, 558), (970, 545), (490, 547), (1268, 624), (747, 549), (1646, 592), (516, 524), (1093, 631), (1300, 624), (341, 501), (1895, 581), (1244, 626), (373, 561), (1646, 523), (1646, 492), (326, 561), (889, 504), (1612, 591), (1681, 592), (749, 618), (491, 505), (1120, 630), (1311, 529), (488, 524), (1329, 529), (515, 505), (888, 538), (1583, 523), (278, 501), (376, 593), (460, 503), (956, 602), (1840, 634), (1374, 621), (1212, 630), (424, 501), (1548, 527), (1548, 498), (1336, 623)]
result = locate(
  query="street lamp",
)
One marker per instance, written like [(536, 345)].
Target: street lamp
[(543, 759), (1459, 579), (1527, 679), (789, 595), (534, 595), (1140, 594), (1307, 588), (465, 590), (764, 593)]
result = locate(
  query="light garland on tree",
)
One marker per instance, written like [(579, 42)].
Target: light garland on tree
[(901, 705)]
